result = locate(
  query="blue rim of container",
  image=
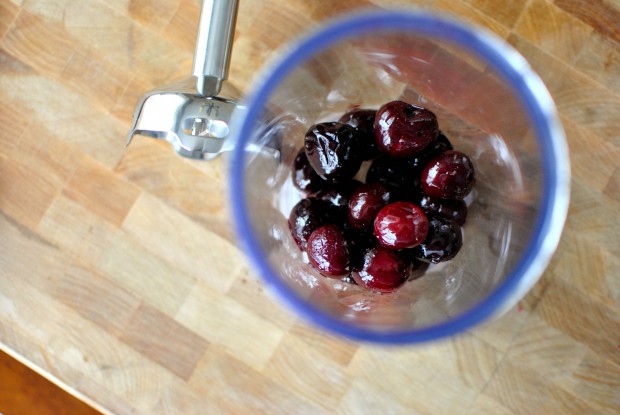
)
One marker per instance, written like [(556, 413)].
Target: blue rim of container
[(539, 106)]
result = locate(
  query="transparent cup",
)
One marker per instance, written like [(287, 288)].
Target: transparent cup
[(491, 106)]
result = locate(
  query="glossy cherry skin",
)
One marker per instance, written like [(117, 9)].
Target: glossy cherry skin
[(452, 208), (328, 251), (448, 176), (338, 194), (304, 176), (363, 121), (332, 151), (402, 129), (365, 203), (443, 242), (359, 243), (308, 215), (440, 145), (383, 270), (401, 225)]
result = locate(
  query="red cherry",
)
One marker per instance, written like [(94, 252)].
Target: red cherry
[(384, 270), (402, 130), (332, 151), (363, 121), (365, 203), (448, 176), (304, 176), (401, 225), (328, 251)]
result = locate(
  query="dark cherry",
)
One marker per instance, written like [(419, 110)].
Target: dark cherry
[(448, 176), (365, 203), (308, 215), (363, 121), (348, 279), (453, 208), (359, 243), (304, 176), (443, 242), (437, 147), (332, 151), (401, 225), (328, 251), (338, 194), (402, 129), (401, 174), (383, 270)]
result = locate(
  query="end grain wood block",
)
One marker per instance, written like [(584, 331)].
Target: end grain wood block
[(77, 230), (602, 15), (34, 175), (8, 13), (230, 325), (598, 380), (195, 188), (61, 111), (518, 388), (469, 14), (165, 341), (182, 28), (21, 248), (95, 297), (183, 242), (581, 318), (156, 281), (505, 12), (553, 30), (600, 60), (577, 97), (308, 372), (40, 43), (99, 81), (232, 387), (154, 14), (99, 190), (612, 188)]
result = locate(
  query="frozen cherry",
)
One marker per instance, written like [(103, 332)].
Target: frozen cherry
[(359, 243), (363, 121), (402, 129), (448, 176), (328, 251), (304, 176), (383, 270), (365, 203), (440, 145), (401, 174), (453, 208), (308, 215), (401, 225), (443, 242), (338, 194), (332, 151)]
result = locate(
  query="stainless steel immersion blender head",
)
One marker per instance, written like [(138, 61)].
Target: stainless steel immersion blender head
[(194, 116)]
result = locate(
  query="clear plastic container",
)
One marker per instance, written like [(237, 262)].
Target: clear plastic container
[(491, 106)]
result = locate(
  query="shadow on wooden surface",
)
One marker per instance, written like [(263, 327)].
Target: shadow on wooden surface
[(24, 392)]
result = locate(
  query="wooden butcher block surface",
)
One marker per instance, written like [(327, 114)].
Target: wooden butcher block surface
[(121, 278)]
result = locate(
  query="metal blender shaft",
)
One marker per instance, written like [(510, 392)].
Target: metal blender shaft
[(214, 45)]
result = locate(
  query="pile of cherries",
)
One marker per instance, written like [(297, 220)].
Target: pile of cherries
[(408, 213)]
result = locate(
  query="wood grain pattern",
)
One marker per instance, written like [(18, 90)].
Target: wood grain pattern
[(92, 296)]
